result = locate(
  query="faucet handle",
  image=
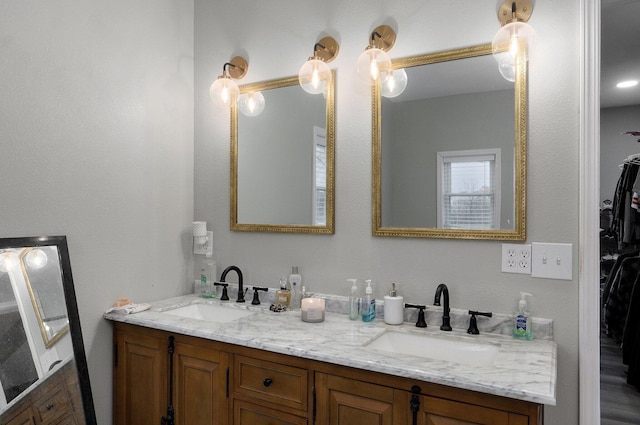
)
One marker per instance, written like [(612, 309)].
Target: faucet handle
[(256, 297), (421, 323), (473, 324), (225, 295)]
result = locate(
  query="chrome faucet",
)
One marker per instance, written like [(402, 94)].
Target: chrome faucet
[(240, 288), (446, 319)]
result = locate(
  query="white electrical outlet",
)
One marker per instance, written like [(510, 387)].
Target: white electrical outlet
[(516, 258)]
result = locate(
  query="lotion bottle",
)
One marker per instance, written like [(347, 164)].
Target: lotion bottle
[(354, 300), (296, 283), (368, 304), (522, 321), (393, 307)]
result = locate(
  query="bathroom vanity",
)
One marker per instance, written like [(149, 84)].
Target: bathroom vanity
[(272, 368)]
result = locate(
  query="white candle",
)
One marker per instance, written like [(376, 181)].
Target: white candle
[(312, 309)]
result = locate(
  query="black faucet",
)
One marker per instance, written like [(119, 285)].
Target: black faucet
[(239, 273), (256, 297), (446, 319), (421, 323), (473, 323)]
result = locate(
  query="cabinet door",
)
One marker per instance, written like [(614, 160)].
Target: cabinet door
[(200, 385), (140, 378), (342, 401), (441, 411), (24, 418)]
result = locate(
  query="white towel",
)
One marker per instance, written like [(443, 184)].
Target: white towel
[(129, 308)]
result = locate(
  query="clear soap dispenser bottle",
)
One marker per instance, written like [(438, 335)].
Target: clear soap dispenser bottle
[(368, 304), (522, 321), (354, 300)]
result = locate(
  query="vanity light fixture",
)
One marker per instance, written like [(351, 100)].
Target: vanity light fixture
[(251, 104), (516, 38), (374, 64), (224, 90), (395, 83), (36, 259), (315, 74), (8, 261)]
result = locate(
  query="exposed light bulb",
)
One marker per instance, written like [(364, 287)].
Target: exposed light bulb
[(224, 91), (513, 39), (8, 261), (373, 65), (314, 76), (251, 104), (395, 83), (36, 259)]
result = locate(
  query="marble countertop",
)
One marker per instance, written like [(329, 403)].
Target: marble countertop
[(524, 370)]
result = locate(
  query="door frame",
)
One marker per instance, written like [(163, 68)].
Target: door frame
[(589, 275)]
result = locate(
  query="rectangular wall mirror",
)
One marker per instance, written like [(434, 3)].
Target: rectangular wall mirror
[(449, 153), (282, 160), (43, 369)]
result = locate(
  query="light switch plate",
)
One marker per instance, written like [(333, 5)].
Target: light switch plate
[(552, 260)]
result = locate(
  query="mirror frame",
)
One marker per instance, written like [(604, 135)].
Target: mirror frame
[(329, 228), (72, 313), (520, 202), (48, 340)]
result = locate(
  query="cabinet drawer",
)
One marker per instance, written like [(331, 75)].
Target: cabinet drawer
[(273, 382), (253, 414), (54, 405)]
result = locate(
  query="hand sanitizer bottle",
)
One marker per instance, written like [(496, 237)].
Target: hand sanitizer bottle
[(368, 304), (522, 321)]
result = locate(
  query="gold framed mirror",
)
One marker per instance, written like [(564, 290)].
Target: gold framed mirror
[(283, 160), (449, 154)]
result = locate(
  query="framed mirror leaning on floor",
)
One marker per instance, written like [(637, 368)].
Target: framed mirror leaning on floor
[(44, 377)]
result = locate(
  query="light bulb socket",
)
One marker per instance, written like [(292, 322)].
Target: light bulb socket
[(238, 67), (382, 37), (512, 11), (326, 49)]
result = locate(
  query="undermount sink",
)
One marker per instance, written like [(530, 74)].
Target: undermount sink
[(448, 348), (210, 312)]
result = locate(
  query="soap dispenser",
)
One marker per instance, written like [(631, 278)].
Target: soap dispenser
[(354, 300), (522, 321), (393, 307), (368, 304)]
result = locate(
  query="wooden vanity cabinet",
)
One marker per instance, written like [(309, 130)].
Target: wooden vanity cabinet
[(223, 384), (344, 398), (141, 378)]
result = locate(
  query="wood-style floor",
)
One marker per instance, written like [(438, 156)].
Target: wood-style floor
[(619, 401)]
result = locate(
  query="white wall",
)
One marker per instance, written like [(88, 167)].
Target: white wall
[(615, 146), (277, 37), (96, 143)]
